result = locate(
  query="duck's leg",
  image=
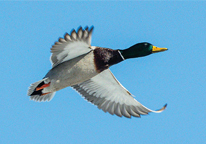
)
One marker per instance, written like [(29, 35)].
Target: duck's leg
[(45, 93), (43, 86)]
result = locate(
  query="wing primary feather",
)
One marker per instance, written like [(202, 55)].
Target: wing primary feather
[(91, 99), (58, 43), (105, 106), (86, 28), (90, 35), (144, 109), (99, 102), (111, 108), (62, 40), (102, 104), (85, 35), (67, 37), (140, 111), (124, 111), (117, 110), (132, 112), (80, 33), (74, 35)]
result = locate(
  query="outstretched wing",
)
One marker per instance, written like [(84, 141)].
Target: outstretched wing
[(109, 95), (71, 46)]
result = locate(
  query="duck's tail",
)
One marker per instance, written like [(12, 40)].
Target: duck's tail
[(37, 91)]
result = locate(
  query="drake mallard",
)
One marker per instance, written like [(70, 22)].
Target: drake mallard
[(85, 68)]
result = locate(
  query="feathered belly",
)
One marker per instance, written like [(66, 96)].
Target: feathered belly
[(72, 72)]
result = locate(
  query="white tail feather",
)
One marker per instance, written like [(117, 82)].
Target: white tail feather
[(43, 98)]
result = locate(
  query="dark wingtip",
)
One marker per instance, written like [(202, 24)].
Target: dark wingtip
[(86, 28), (91, 28), (80, 27), (162, 109)]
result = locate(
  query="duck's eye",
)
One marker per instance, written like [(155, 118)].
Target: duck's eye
[(145, 44)]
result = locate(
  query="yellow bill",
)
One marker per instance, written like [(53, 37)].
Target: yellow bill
[(157, 49)]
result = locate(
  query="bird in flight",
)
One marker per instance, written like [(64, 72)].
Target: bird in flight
[(85, 68)]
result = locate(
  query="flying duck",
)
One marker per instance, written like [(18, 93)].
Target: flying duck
[(85, 68)]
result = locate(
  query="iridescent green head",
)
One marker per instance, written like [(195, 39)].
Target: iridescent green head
[(140, 50)]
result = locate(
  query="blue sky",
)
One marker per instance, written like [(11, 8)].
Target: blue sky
[(176, 77)]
